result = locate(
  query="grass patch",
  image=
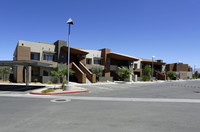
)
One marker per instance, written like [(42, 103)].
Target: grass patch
[(48, 90)]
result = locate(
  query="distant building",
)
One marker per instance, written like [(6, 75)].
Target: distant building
[(159, 68), (183, 71)]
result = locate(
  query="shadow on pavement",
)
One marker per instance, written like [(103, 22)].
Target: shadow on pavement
[(19, 88)]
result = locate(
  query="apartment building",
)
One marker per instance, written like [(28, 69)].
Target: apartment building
[(81, 60), (183, 71)]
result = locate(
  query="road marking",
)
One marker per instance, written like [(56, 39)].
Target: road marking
[(114, 99)]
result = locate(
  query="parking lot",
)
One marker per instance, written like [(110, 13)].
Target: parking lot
[(138, 107), (174, 89)]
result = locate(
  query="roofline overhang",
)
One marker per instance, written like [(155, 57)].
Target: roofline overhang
[(121, 57), (24, 63), (155, 63), (74, 50)]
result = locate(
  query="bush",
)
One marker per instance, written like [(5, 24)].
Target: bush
[(147, 72), (49, 82), (61, 74), (35, 80), (171, 75), (124, 73), (145, 78), (196, 74), (48, 90), (98, 70)]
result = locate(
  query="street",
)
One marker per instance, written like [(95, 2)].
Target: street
[(139, 107)]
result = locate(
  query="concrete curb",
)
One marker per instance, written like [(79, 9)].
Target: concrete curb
[(67, 92)]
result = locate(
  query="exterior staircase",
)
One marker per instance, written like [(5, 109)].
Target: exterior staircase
[(91, 77), (83, 74)]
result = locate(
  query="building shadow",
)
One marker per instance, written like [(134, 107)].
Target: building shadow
[(18, 88)]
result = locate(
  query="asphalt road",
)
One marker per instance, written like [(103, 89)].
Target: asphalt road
[(181, 89), (106, 109)]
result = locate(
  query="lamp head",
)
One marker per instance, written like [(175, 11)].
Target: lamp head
[(153, 56), (70, 21)]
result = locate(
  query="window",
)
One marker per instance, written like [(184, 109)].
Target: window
[(97, 61), (88, 61), (35, 72), (45, 73), (35, 56), (135, 66), (48, 57)]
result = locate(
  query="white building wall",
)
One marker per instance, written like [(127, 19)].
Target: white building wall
[(139, 65)]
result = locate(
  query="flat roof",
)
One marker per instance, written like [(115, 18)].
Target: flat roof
[(24, 63)]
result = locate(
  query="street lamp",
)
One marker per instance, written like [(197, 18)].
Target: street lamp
[(152, 68), (68, 86)]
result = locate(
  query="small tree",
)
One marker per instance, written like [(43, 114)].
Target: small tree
[(98, 70), (147, 72), (171, 75), (61, 75), (124, 73), (5, 72), (196, 74)]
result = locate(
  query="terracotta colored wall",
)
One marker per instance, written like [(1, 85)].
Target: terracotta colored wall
[(79, 74), (106, 62), (23, 53), (181, 67), (89, 75), (82, 60)]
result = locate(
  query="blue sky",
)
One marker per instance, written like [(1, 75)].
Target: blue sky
[(167, 29)]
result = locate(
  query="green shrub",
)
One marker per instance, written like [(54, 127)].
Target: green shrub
[(35, 80), (48, 90), (124, 73), (49, 82), (196, 74), (145, 78), (98, 70), (61, 74), (171, 75), (147, 72)]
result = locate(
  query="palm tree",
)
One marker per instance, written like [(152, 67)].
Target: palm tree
[(4, 71)]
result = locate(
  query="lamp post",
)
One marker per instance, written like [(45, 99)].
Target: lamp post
[(152, 68), (68, 86)]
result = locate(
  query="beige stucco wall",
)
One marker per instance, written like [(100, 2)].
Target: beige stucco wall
[(139, 66), (38, 47), (92, 54)]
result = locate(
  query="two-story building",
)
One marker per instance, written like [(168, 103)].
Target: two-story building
[(81, 60)]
